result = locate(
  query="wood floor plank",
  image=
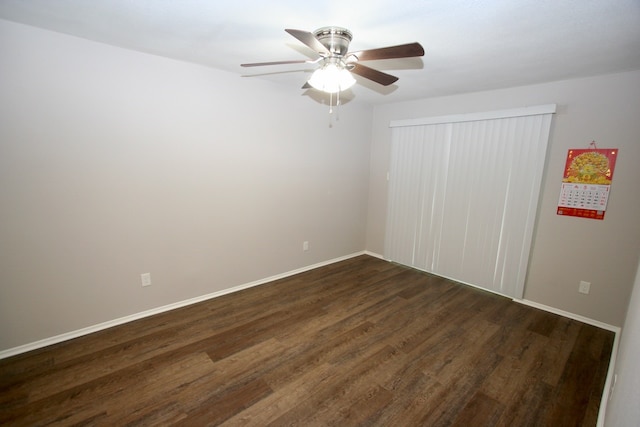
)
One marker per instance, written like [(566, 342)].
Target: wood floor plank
[(95, 397), (222, 406), (413, 397), (457, 391), (348, 384), (573, 393), (481, 410), (362, 342), (516, 369), (528, 407), (292, 392)]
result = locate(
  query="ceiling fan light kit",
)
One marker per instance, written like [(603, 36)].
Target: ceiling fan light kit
[(331, 78), (333, 75), (337, 64)]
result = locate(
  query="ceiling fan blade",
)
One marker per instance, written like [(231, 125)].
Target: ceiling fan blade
[(306, 86), (401, 51), (377, 76), (310, 40), (258, 64)]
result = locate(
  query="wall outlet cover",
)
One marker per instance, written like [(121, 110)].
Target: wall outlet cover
[(145, 278), (584, 287)]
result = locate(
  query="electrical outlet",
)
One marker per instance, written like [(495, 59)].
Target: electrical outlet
[(145, 278), (305, 246), (584, 287)]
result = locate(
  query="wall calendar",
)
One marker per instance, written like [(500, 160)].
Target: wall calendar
[(586, 182)]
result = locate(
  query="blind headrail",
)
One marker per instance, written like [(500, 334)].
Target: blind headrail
[(471, 117)]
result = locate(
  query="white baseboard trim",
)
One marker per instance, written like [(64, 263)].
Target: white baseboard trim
[(570, 315), (614, 351), (126, 319), (606, 393), (375, 255)]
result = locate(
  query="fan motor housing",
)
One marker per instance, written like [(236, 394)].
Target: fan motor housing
[(335, 39)]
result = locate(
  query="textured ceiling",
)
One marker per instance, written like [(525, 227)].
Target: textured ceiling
[(470, 45)]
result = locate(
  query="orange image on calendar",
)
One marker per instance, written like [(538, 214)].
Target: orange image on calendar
[(590, 166)]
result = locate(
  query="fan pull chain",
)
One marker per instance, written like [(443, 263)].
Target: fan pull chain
[(331, 107)]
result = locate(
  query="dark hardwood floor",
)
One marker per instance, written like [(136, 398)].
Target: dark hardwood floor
[(359, 342)]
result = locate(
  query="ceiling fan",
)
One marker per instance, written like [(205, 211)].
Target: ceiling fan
[(337, 63)]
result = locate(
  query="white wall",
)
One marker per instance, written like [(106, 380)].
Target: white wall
[(566, 249), (115, 163), (623, 409)]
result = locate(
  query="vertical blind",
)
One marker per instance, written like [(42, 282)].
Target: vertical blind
[(463, 195)]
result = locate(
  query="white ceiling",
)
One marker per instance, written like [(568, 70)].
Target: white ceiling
[(470, 45)]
